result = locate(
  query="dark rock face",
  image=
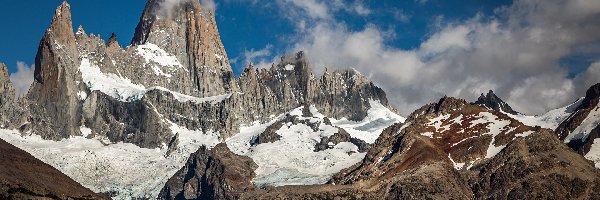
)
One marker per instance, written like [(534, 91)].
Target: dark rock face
[(339, 137), (24, 177), (132, 122), (269, 135), (589, 103), (493, 102), (211, 174)]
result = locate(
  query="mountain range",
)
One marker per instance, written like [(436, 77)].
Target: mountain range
[(166, 118)]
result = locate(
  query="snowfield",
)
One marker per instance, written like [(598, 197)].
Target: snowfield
[(549, 120), (124, 170), (158, 59), (292, 159)]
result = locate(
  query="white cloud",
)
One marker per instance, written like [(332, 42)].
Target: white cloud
[(166, 7), (209, 4), (516, 53), (22, 78), (401, 15), (258, 57)]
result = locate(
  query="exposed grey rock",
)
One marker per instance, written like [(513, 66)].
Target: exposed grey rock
[(537, 167), (203, 70), (190, 32), (9, 109), (339, 137), (132, 122), (173, 144), (269, 135), (53, 101)]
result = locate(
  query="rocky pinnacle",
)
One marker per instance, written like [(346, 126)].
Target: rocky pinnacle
[(190, 32)]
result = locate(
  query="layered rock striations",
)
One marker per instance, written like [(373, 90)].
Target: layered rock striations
[(188, 31)]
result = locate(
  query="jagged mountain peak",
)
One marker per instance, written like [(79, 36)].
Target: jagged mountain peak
[(3, 71), (189, 32), (112, 41), (80, 31), (61, 26), (593, 92), (493, 102), (161, 13)]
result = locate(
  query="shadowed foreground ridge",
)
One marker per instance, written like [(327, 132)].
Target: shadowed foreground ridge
[(24, 177)]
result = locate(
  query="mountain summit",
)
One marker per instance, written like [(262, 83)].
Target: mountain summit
[(172, 91), (188, 31), (493, 102), (123, 121)]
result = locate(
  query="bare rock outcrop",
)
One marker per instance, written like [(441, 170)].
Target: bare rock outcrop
[(9, 110), (189, 31), (454, 150), (536, 167), (211, 174), (53, 101), (493, 102)]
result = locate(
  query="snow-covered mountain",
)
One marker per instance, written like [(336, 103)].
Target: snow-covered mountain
[(445, 150), (122, 120), (165, 117), (577, 124)]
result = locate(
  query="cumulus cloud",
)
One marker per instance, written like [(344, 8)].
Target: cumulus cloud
[(516, 52), (22, 78)]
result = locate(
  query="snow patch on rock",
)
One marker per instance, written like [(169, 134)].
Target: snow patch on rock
[(122, 89), (155, 55)]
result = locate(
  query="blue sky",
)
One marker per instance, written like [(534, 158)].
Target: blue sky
[(243, 25), (536, 54)]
